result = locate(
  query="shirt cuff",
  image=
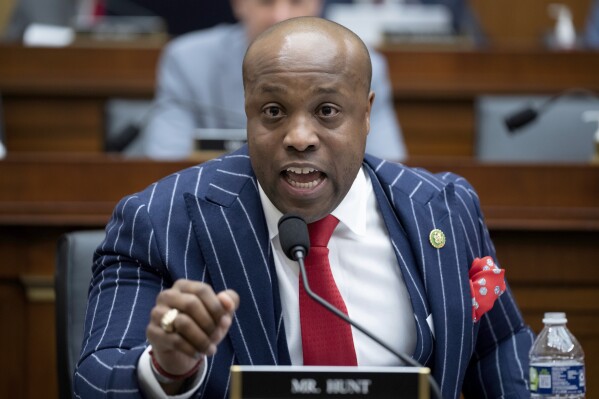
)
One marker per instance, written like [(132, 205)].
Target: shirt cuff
[(150, 386)]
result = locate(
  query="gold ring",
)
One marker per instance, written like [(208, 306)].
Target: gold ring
[(168, 320)]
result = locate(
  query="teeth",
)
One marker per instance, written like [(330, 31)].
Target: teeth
[(309, 185), (301, 171)]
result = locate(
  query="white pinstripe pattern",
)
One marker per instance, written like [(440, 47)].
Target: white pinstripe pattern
[(520, 368), (398, 253), (185, 256), (469, 215), (116, 290), (114, 281), (101, 362), (227, 172), (420, 295), (117, 391), (264, 261), (480, 380), (418, 173), (221, 274), (398, 177), (415, 189), (380, 165), (208, 375), (497, 367), (111, 225), (444, 346), (94, 314), (422, 257), (168, 223), (226, 393), (133, 307), (468, 243), (118, 234), (154, 185), (249, 285), (279, 325), (133, 229), (150, 246), (460, 276), (431, 352)]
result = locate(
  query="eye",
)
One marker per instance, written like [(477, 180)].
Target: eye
[(272, 111), (327, 111)]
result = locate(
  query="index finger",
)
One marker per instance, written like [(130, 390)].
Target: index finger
[(206, 295)]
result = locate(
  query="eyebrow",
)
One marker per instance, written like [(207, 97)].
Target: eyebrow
[(274, 88)]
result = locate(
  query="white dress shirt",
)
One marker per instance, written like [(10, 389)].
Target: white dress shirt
[(366, 272)]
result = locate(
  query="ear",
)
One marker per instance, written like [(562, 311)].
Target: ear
[(368, 110), (238, 9)]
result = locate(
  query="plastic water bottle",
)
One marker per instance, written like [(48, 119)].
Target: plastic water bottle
[(556, 362)]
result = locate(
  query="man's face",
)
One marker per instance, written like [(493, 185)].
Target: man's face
[(259, 15), (308, 118)]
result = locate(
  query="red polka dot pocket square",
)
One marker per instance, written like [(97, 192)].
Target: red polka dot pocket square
[(487, 283)]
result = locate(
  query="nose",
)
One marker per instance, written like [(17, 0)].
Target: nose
[(301, 135)]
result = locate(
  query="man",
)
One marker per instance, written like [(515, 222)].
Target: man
[(182, 255), (199, 84), (591, 31)]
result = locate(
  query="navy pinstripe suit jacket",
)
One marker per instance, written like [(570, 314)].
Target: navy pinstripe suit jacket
[(206, 223)]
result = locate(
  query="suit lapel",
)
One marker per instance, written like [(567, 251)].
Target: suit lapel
[(231, 231), (410, 273), (424, 203)]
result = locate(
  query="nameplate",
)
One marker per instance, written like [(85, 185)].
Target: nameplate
[(285, 382)]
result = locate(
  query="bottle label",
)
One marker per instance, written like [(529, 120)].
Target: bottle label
[(557, 380)]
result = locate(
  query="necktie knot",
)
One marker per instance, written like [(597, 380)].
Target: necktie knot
[(322, 230)]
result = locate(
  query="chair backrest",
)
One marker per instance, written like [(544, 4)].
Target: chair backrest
[(558, 135), (72, 279)]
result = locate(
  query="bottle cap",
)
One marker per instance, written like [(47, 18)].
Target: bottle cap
[(555, 318)]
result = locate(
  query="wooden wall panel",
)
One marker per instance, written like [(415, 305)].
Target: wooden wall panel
[(49, 124), (437, 127)]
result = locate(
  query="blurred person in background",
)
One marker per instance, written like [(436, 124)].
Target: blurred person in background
[(591, 33), (199, 84)]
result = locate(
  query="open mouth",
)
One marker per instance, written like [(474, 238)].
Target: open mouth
[(303, 178)]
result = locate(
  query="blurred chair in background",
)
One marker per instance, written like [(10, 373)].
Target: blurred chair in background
[(559, 134), (72, 279)]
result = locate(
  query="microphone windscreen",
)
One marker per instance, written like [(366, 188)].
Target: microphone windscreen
[(520, 118), (293, 233)]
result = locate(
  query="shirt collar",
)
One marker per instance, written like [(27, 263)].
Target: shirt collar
[(351, 211)]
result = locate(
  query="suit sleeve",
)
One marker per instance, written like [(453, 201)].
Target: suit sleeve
[(499, 364), (128, 274)]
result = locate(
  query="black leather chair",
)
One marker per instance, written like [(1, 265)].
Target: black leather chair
[(73, 275)]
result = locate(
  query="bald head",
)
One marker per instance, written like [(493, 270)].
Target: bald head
[(309, 41)]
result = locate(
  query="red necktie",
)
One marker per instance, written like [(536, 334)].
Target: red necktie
[(326, 339)]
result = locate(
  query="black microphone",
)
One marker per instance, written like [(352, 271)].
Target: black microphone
[(526, 115), (295, 242)]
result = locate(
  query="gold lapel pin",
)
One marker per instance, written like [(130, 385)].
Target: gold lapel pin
[(437, 238)]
